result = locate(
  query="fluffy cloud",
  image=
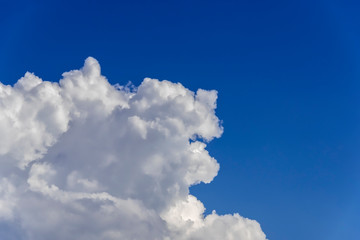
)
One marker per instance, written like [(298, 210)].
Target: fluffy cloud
[(82, 159)]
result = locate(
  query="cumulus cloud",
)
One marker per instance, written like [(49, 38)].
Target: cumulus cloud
[(82, 159)]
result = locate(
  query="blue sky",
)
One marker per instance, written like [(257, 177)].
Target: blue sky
[(287, 76)]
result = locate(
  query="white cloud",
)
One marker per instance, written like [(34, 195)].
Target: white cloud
[(82, 159)]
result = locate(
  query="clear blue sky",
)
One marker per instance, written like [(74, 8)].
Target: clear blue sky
[(287, 74)]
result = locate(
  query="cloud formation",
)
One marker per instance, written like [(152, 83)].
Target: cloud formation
[(82, 159)]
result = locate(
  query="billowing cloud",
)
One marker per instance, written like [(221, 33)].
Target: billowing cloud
[(82, 159)]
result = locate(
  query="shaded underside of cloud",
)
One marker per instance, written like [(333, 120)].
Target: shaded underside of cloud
[(83, 159)]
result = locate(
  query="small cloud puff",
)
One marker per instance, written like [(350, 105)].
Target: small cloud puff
[(82, 159)]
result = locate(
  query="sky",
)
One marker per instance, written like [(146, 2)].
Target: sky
[(284, 129)]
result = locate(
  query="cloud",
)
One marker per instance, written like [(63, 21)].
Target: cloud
[(82, 159)]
